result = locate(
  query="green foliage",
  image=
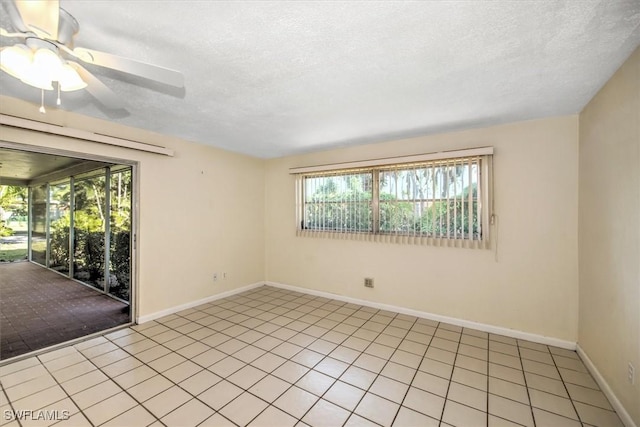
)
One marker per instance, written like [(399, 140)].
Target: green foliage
[(347, 209), (59, 256), (89, 228), (4, 230), (88, 260), (39, 250), (121, 264), (11, 255), (121, 201), (89, 204), (395, 217), (88, 221), (89, 257), (13, 199), (441, 217), (89, 231)]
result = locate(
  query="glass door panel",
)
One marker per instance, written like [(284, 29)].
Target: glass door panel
[(39, 224), (120, 236), (89, 230), (59, 220)]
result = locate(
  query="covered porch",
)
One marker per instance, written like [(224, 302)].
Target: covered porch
[(65, 248)]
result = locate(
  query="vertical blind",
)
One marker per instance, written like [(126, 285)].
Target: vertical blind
[(444, 201), (338, 202)]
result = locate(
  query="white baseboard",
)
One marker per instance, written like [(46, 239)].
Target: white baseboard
[(177, 308), (569, 345), (606, 389)]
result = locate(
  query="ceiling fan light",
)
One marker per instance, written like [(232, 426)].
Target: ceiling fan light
[(48, 62), (69, 79), (36, 77), (43, 70), (15, 60)]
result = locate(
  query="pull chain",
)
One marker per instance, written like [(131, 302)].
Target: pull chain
[(42, 110)]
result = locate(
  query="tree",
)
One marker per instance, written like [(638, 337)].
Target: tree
[(431, 200), (341, 203), (13, 204)]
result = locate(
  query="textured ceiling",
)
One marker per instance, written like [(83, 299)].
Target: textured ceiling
[(24, 166), (276, 78)]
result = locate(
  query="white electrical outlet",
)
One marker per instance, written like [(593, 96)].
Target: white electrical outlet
[(631, 374), (215, 277), (224, 276)]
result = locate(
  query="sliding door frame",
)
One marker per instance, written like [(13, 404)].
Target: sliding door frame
[(135, 205)]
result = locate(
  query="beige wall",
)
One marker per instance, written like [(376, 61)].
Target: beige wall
[(609, 232), (201, 211), (532, 286)]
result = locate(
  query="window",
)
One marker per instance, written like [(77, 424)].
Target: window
[(428, 199), (339, 202)]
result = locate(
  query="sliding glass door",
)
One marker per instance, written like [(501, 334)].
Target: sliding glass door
[(39, 224), (89, 229), (81, 227), (120, 233), (59, 223)]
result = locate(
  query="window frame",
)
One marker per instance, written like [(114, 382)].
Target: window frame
[(483, 157)]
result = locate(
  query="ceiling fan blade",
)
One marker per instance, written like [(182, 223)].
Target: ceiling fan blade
[(14, 15), (131, 66), (40, 16), (98, 89), (5, 33)]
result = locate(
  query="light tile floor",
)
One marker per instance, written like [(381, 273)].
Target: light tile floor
[(271, 357)]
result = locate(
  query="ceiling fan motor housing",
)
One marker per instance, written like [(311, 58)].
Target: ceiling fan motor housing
[(67, 28)]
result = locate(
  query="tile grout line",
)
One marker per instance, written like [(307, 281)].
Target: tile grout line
[(527, 386), (488, 375), (150, 367), (453, 367), (81, 411), (373, 313), (424, 354), (350, 364), (59, 384), (488, 379), (298, 300), (513, 400), (288, 359), (269, 352), (524, 377), (222, 378), (109, 378), (13, 409), (564, 384), (380, 333), (351, 412), (204, 368), (377, 375)]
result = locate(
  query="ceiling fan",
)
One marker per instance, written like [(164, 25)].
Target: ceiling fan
[(46, 54)]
